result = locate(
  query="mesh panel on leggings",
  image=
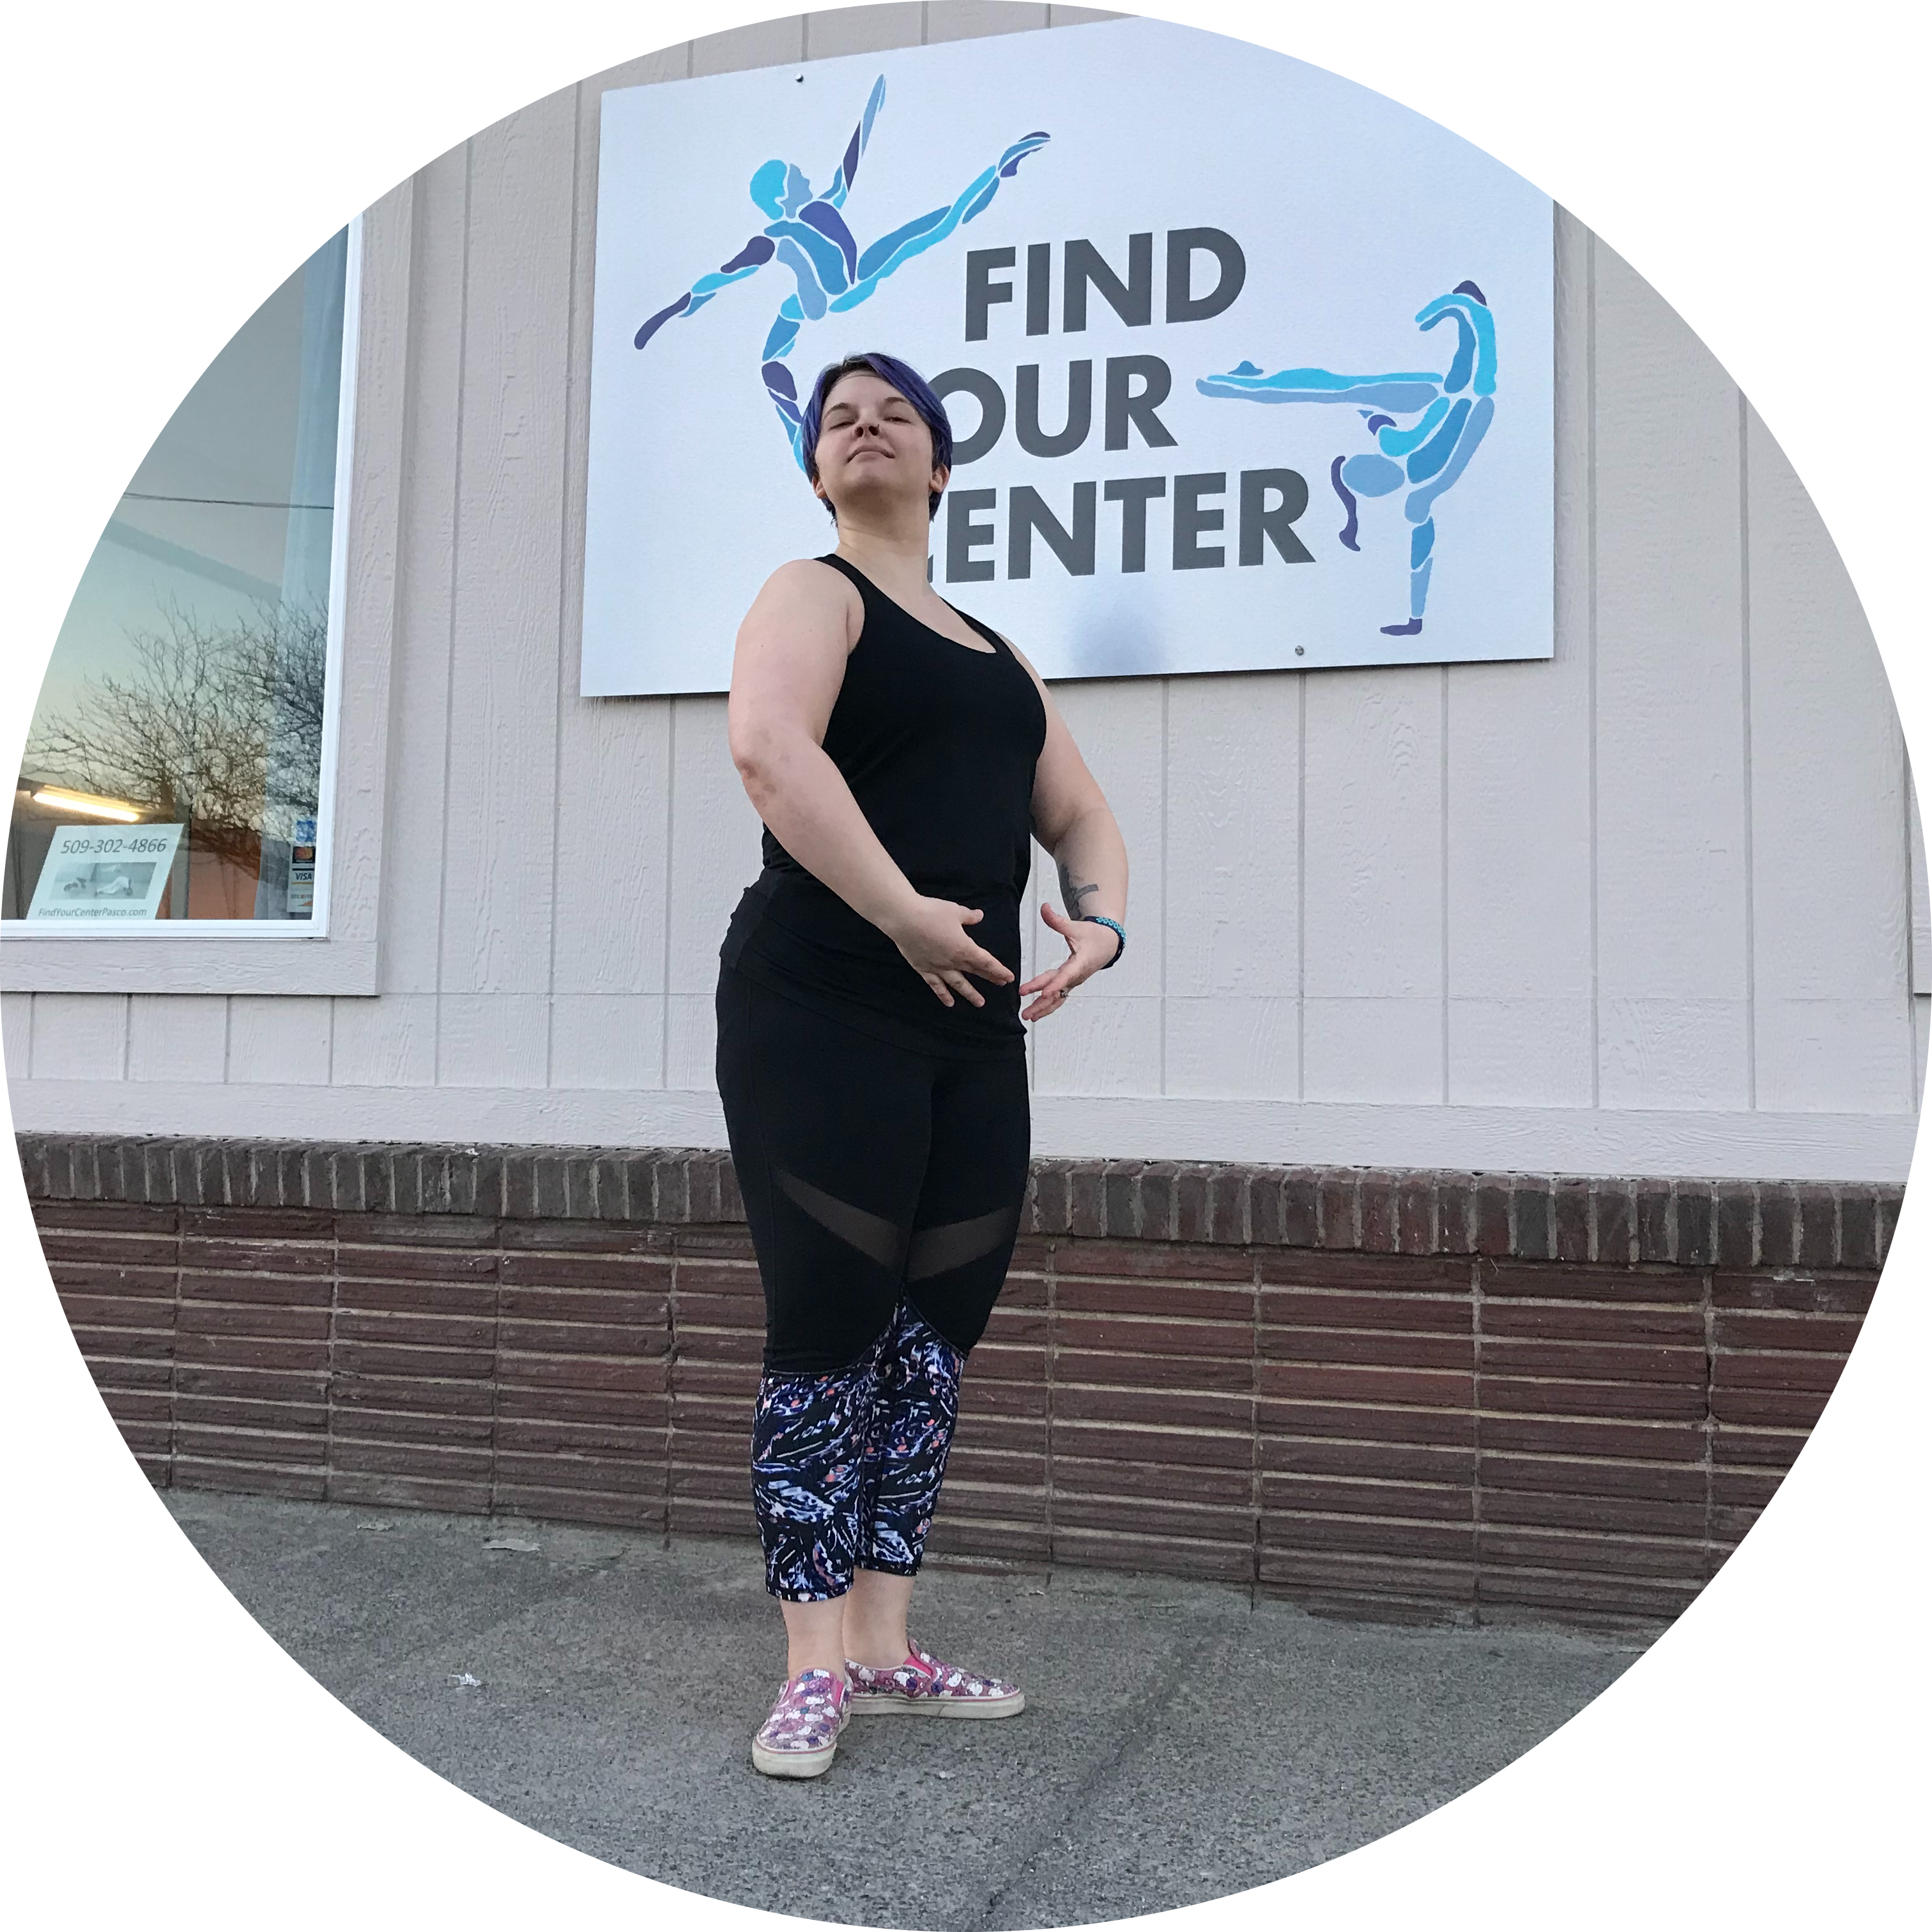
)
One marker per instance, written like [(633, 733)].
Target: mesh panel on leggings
[(953, 1244), (872, 1235)]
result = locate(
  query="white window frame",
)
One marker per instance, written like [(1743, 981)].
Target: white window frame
[(335, 952)]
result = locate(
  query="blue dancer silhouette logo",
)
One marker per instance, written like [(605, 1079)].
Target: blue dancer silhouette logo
[(807, 233), (1453, 412)]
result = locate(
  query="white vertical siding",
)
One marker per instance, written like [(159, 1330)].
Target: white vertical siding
[(1372, 916), (863, 30), (280, 1042), (1647, 903), (1232, 924), (79, 1036), (499, 835), (1672, 834), (413, 848), (966, 19), (613, 856), (492, 1039), (177, 1037), (16, 1028), (614, 806), (762, 44), (1518, 901), (386, 1041), (1830, 861), (1920, 938)]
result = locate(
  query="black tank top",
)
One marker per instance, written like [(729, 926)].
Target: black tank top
[(938, 743)]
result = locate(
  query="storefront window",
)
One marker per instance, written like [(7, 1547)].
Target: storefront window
[(173, 769)]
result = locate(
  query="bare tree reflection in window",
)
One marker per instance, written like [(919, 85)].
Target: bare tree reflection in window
[(217, 727)]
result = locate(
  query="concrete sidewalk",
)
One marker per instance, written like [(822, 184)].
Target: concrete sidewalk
[(1181, 1741)]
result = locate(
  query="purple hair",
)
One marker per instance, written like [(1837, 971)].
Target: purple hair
[(909, 383)]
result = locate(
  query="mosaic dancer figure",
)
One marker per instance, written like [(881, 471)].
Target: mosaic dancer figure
[(1453, 414), (807, 233), (871, 1047)]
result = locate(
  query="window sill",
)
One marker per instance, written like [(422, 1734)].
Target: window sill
[(271, 962), (159, 931)]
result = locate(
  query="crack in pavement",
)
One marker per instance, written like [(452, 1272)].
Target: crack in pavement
[(1139, 1725)]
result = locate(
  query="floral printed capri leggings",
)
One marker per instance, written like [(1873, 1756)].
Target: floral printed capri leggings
[(883, 1186)]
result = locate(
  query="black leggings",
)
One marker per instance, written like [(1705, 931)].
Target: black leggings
[(872, 1174)]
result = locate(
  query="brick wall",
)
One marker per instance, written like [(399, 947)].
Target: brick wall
[(1418, 1394)]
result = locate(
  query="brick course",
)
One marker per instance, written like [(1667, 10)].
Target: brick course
[(1410, 1394)]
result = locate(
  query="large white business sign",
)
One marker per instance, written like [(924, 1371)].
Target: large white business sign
[(1249, 367)]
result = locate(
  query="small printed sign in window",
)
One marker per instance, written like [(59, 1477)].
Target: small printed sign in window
[(93, 875)]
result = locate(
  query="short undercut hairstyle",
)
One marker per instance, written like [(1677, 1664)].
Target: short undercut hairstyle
[(909, 383)]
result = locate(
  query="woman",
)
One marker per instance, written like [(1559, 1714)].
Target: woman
[(871, 1058)]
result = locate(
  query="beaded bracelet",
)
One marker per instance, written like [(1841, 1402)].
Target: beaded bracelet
[(1100, 918)]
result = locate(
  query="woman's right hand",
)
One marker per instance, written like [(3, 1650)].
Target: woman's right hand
[(932, 934)]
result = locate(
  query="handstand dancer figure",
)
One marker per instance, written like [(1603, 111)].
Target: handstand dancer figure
[(808, 234), (1454, 412)]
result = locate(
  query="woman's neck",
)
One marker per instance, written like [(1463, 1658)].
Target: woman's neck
[(893, 556)]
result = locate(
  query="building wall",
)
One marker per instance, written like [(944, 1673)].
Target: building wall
[(1644, 908)]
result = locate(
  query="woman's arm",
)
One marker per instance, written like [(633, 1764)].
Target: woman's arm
[(789, 663), (1092, 857), (785, 677), (1072, 819)]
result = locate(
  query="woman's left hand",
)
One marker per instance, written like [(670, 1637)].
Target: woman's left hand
[(1090, 947)]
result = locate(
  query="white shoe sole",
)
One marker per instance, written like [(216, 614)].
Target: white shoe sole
[(792, 1764), (864, 1705)]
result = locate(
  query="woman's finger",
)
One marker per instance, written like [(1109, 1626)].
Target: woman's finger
[(1073, 930)]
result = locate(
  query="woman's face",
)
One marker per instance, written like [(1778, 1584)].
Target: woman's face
[(874, 445)]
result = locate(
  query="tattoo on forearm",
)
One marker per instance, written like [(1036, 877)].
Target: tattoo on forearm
[(1073, 892)]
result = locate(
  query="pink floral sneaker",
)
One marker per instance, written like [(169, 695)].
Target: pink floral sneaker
[(800, 1738), (923, 1686)]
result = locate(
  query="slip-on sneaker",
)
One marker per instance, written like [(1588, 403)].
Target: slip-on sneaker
[(923, 1686), (800, 1738)]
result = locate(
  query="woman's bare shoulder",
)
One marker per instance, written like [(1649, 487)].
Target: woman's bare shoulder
[(810, 577), (807, 587), (1026, 664), (804, 609), (805, 570)]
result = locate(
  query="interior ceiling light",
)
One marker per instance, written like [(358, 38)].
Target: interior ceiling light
[(115, 808)]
